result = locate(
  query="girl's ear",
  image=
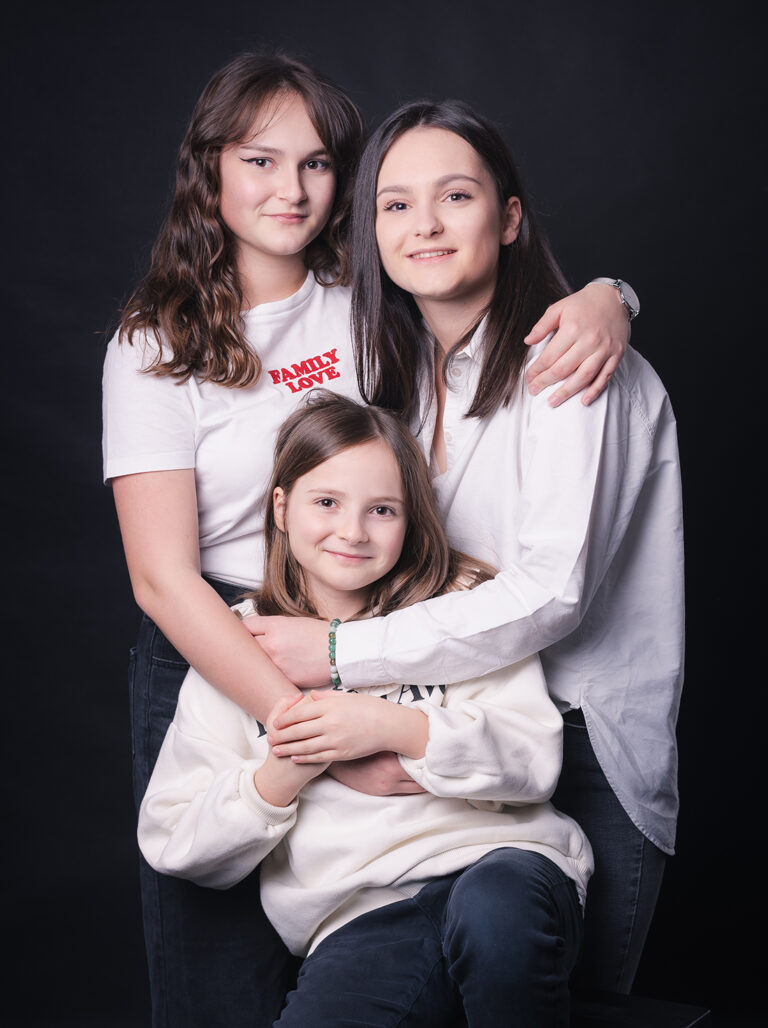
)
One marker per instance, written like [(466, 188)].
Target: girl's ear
[(278, 507), (510, 222)]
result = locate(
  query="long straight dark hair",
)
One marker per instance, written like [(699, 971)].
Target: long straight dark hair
[(327, 424), (191, 297), (394, 353)]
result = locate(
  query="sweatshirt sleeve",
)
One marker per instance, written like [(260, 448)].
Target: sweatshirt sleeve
[(581, 471), (202, 817), (494, 738)]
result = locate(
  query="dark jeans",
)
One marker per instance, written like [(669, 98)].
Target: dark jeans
[(488, 947), (214, 959), (623, 890)]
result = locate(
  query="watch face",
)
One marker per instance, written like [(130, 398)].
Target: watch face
[(629, 296)]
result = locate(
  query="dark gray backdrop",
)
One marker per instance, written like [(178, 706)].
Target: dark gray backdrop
[(638, 128)]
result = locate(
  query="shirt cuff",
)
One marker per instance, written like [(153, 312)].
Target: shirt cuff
[(358, 649)]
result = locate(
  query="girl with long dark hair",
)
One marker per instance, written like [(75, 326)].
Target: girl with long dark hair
[(581, 509)]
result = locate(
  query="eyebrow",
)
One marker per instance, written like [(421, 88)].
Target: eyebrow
[(442, 181), (272, 150)]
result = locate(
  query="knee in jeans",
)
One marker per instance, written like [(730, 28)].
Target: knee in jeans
[(483, 903), (504, 898)]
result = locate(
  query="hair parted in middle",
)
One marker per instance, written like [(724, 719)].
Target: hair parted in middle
[(393, 351), (327, 424), (191, 297)]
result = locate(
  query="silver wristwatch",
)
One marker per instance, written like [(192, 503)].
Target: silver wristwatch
[(627, 295)]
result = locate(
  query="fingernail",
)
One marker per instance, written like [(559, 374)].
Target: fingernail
[(533, 389), (554, 401)]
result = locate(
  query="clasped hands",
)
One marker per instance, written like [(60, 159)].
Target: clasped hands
[(329, 725), (352, 736)]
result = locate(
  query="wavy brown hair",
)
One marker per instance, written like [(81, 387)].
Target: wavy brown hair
[(325, 425), (191, 298), (393, 350)]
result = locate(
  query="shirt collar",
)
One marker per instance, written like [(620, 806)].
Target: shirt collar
[(473, 349)]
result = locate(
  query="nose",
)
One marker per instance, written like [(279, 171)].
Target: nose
[(291, 188), (352, 528), (427, 222)]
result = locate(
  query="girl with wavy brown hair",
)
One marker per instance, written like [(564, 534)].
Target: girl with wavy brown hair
[(243, 310)]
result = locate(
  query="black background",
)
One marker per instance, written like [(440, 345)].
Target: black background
[(639, 130)]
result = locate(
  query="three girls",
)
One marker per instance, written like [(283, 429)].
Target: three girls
[(239, 307)]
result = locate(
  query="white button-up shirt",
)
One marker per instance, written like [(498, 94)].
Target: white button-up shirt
[(580, 509)]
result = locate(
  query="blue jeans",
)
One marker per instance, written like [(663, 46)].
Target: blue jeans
[(623, 890), (214, 959), (488, 947)]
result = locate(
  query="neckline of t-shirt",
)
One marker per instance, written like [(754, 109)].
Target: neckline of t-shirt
[(278, 307)]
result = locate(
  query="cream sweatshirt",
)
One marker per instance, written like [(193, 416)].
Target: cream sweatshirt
[(492, 761)]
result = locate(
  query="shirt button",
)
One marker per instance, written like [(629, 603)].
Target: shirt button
[(456, 372), (449, 437)]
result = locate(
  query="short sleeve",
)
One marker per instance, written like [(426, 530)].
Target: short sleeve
[(148, 419)]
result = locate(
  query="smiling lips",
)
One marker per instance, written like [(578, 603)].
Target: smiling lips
[(424, 255), (346, 556)]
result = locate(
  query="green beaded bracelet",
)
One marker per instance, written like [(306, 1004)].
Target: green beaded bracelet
[(332, 653)]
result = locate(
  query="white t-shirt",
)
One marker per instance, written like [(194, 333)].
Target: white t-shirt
[(581, 509), (227, 435), (335, 853)]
